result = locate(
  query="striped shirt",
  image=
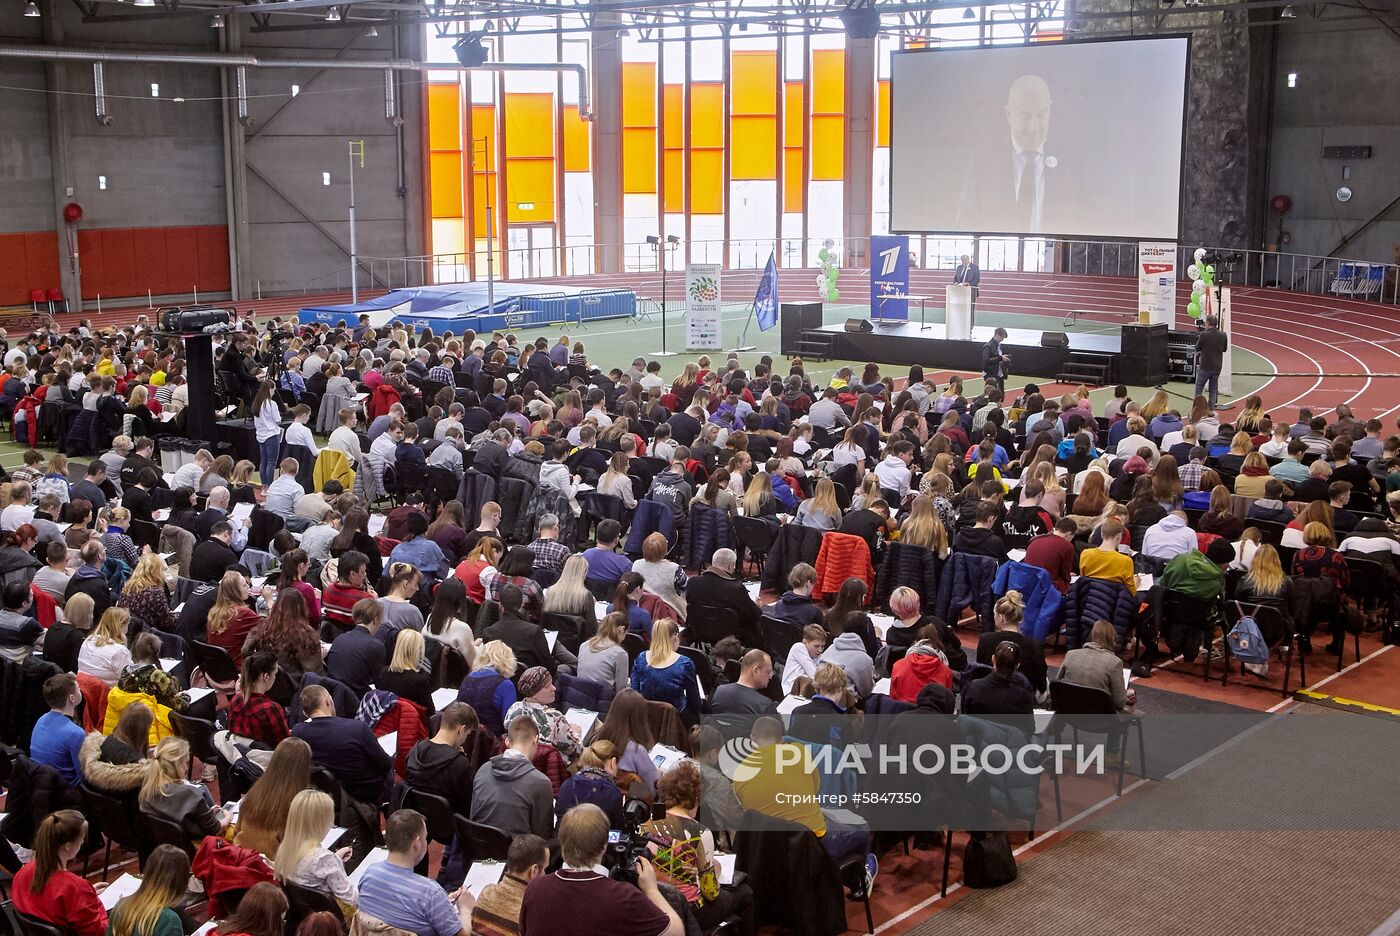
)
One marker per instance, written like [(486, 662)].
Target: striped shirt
[(400, 897)]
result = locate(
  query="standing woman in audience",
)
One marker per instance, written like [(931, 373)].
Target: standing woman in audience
[(144, 594), (104, 653), (626, 598), (449, 531), (267, 427), (252, 713), (488, 688), (483, 558), (261, 912), (602, 658), (405, 676), (820, 511), (230, 621), (663, 675), (288, 635), (629, 730), (447, 619), (716, 493), (1220, 519), (571, 596), (168, 795), (354, 535), (262, 813), (150, 911), (303, 860), (923, 527), (46, 889)]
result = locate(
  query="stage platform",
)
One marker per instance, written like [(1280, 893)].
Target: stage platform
[(906, 343)]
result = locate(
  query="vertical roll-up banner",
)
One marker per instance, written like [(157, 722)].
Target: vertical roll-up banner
[(889, 276), (1156, 283), (702, 307)]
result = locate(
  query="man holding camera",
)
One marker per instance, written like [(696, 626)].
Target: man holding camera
[(583, 894)]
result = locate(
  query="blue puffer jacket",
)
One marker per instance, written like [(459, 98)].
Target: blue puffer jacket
[(966, 581), (1091, 600), (709, 528), (1043, 603)]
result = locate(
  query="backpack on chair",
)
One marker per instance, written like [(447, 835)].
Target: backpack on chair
[(1248, 645)]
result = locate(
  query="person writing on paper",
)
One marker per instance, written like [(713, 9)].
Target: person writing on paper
[(685, 853), (151, 910), (497, 910), (166, 794), (302, 859), (1097, 666), (537, 695), (582, 893), (439, 767), (966, 273), (748, 696), (46, 889), (663, 675), (344, 746), (508, 792), (803, 655)]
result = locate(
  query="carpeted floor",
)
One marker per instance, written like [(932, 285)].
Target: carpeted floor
[(1289, 829)]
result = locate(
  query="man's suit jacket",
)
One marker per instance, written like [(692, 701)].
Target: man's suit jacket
[(988, 201), (969, 275)]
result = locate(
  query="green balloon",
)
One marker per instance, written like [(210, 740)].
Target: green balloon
[(832, 273), (823, 254), (1193, 309), (834, 293), (1210, 270)]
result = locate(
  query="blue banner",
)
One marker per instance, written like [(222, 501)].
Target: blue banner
[(889, 276), (765, 301)]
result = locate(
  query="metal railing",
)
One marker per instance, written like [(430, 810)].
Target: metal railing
[(1303, 273)]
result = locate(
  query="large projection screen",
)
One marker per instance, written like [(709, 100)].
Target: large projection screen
[(1066, 139)]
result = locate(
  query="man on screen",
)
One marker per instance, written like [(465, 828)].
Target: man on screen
[(1021, 188), (967, 274)]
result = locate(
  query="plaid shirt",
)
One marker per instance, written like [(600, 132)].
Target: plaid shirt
[(550, 553), (1190, 475), (259, 718), (26, 474), (442, 375)]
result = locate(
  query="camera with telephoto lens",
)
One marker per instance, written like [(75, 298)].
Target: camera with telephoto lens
[(629, 843)]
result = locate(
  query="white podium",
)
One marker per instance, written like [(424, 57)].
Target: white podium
[(958, 312)]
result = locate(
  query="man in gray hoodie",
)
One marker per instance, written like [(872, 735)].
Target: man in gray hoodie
[(848, 652), (509, 793)]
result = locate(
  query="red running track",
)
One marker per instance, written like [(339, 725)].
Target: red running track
[(1323, 350)]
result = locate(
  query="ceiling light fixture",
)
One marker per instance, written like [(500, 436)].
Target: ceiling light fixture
[(216, 22), (145, 3), (1288, 13), (31, 8), (372, 33), (968, 14), (332, 15)]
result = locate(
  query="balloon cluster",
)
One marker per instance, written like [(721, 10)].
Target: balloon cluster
[(830, 272), (1202, 278)]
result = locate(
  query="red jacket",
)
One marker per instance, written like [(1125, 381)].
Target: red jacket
[(410, 721), (842, 556), (383, 397), (916, 671), (223, 867), (67, 901)]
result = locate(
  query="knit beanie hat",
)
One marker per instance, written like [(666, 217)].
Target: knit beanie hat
[(532, 681)]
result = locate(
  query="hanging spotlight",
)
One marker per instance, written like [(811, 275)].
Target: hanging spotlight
[(216, 22), (31, 8), (1288, 13), (145, 3), (372, 33), (333, 15), (470, 52), (968, 14)]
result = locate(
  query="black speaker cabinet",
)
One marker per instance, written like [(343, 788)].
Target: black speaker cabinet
[(1144, 353), (859, 325), (1054, 340), (793, 319)]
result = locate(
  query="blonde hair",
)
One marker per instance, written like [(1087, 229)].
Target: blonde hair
[(598, 754), (165, 768), (308, 820), (112, 628), (924, 527), (1318, 534), (497, 655), (611, 630), (1011, 607), (78, 610), (1046, 474), (1156, 406), (150, 572), (1241, 443), (408, 652), (829, 680), (663, 638), (824, 498), (1266, 572)]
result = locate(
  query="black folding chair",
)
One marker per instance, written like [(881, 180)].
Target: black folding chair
[(437, 813), (1090, 709), (199, 734), (215, 661), (480, 842), (118, 821)]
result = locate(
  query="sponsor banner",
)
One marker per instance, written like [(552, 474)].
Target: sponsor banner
[(702, 307), (889, 276), (1156, 283)]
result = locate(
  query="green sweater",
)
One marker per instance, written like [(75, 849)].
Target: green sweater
[(167, 924)]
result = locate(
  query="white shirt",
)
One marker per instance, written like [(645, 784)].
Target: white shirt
[(651, 380), (846, 454), (1130, 445), (187, 475), (343, 439), (893, 474), (1274, 448), (604, 420), (106, 662), (1370, 544), (799, 663), (1170, 439), (267, 423), (299, 434), (15, 516), (312, 365), (16, 356)]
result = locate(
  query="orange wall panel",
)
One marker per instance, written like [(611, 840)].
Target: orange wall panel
[(530, 182), (792, 114), (638, 161), (41, 258), (673, 116), (444, 117), (828, 153), (529, 124), (445, 182), (576, 154), (639, 94), (483, 145), (753, 148), (213, 259), (181, 260), (707, 182), (673, 165), (753, 77), (882, 113), (828, 81), (794, 187), (149, 248), (706, 114)]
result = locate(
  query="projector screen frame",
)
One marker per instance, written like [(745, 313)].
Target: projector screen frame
[(1047, 235)]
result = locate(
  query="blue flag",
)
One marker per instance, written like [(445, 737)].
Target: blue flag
[(765, 301)]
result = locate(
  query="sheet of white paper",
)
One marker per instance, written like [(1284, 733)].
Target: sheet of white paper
[(178, 608), (63, 527), (1127, 675), (790, 703), (325, 648), (550, 637), (882, 687), (725, 869), (332, 836), (241, 512), (376, 524), (444, 697), (258, 582), (168, 664), (582, 719), (1145, 581), (162, 515), (390, 743), (882, 622), (197, 693), (206, 929), (123, 886), (231, 810), (665, 757), (600, 609), (1016, 555), (378, 856), (483, 873), (753, 588)]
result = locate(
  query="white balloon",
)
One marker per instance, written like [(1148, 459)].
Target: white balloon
[(1199, 255), (828, 243), (1193, 271), (821, 282), (1198, 287)]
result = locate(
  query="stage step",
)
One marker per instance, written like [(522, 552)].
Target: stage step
[(815, 345), (1087, 367)]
